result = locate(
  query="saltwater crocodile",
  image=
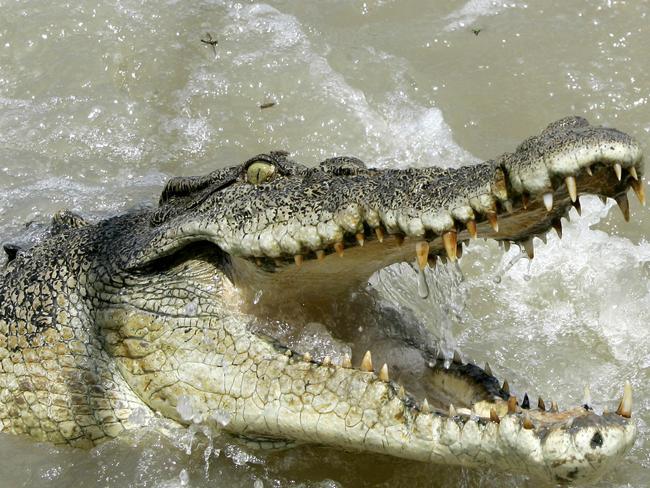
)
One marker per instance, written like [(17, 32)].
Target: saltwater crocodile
[(148, 311)]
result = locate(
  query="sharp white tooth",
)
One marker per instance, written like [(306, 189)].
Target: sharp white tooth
[(361, 238), (424, 408), (633, 173), (637, 186), (625, 407), (471, 228), (618, 170), (624, 204), (529, 248), (452, 410), (422, 253), (487, 369), (366, 362), (493, 415), (527, 423), (383, 373), (589, 172), (548, 201), (571, 186), (347, 362)]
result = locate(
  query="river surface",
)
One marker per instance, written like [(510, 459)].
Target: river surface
[(101, 102)]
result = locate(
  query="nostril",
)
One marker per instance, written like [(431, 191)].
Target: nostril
[(596, 440)]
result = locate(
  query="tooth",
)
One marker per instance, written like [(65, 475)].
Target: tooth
[(493, 415), (633, 173), (624, 205), (422, 253), (450, 240), (306, 357), (506, 387), (471, 228), (589, 172), (320, 254), (338, 247), (540, 404), (587, 396), (637, 186), (298, 260), (529, 248), (527, 423), (524, 201), (488, 370), (554, 407), (327, 361), (557, 225), (452, 410), (578, 207), (383, 373), (492, 217), (457, 359), (571, 186), (512, 404), (424, 408), (361, 238), (625, 407), (379, 232), (526, 402), (366, 362), (548, 201), (618, 170), (347, 362), (258, 262), (508, 206)]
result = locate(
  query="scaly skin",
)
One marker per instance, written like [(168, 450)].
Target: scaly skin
[(143, 312)]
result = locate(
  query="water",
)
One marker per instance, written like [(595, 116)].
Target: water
[(101, 102)]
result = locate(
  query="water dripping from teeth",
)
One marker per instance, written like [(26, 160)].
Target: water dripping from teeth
[(515, 259), (423, 287), (257, 297), (527, 276)]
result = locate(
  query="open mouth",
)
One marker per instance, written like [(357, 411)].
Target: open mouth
[(297, 243), (450, 387)]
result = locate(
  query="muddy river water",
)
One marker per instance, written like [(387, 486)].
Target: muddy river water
[(100, 102)]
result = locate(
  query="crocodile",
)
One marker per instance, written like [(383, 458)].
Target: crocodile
[(165, 306)]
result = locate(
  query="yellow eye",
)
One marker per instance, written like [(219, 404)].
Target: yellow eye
[(259, 172)]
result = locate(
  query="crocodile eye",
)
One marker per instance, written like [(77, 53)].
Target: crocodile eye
[(259, 172)]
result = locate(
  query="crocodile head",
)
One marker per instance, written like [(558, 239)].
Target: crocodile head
[(303, 237), (178, 293)]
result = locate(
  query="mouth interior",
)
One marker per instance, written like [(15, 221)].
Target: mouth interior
[(323, 289)]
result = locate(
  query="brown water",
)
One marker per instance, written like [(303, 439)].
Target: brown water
[(101, 102)]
